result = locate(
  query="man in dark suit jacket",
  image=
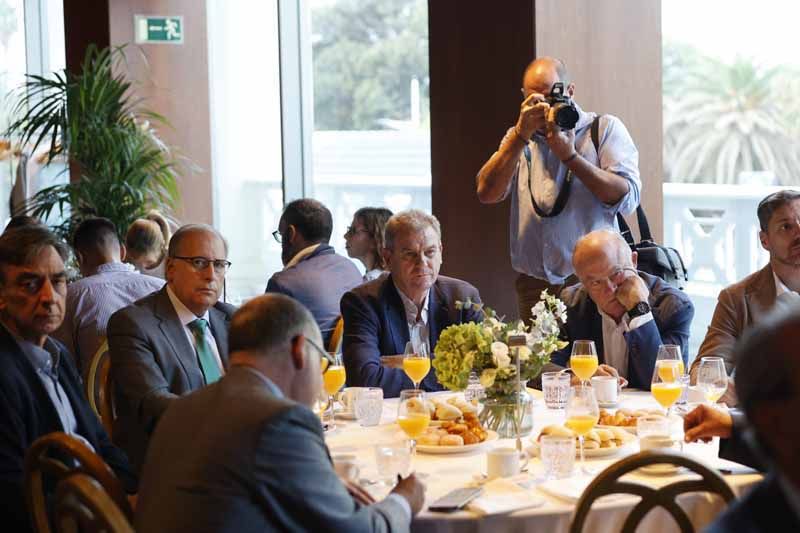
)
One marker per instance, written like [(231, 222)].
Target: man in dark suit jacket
[(314, 274), (628, 314), (173, 341), (247, 454), (413, 304), (748, 301), (768, 386), (40, 390)]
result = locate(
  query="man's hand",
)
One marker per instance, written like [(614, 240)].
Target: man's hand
[(608, 370), (561, 142), (359, 495), (413, 491), (532, 115), (706, 422), (632, 291)]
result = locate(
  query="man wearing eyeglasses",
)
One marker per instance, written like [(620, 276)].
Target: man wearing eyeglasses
[(173, 341), (628, 314)]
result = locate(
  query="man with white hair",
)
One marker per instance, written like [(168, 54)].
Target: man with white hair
[(414, 303), (627, 313)]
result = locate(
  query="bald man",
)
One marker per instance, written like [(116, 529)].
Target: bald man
[(627, 313), (562, 184)]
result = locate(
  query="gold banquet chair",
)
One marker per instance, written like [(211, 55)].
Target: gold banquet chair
[(335, 344), (608, 482), (54, 457), (99, 388), (82, 505)]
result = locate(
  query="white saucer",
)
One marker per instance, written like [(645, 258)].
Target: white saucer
[(608, 405), (660, 469)]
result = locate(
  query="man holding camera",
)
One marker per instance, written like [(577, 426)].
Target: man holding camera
[(561, 186)]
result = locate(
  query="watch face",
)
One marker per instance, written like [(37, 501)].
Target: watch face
[(641, 308)]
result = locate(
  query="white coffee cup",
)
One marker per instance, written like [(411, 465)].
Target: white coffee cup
[(348, 398), (346, 466), (606, 389), (505, 462), (656, 442)]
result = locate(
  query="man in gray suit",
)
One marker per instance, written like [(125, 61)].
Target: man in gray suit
[(314, 274), (247, 454), (173, 341)]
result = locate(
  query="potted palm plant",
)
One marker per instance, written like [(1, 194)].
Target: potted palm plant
[(120, 169)]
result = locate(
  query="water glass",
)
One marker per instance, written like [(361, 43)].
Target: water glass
[(369, 406), (558, 456), (652, 426), (391, 460), (555, 386)]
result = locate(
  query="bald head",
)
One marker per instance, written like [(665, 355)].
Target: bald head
[(545, 65), (601, 246)]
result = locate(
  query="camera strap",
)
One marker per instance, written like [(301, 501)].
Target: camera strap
[(563, 194)]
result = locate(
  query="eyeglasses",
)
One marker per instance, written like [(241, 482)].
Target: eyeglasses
[(201, 263), (323, 354), (352, 230), (277, 236), (616, 278)]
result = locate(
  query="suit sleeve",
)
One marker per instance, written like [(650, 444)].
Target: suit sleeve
[(644, 341), (296, 483), (735, 448), (13, 444), (274, 286), (723, 332), (135, 371), (361, 350)]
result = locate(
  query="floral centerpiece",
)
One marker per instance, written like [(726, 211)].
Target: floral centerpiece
[(483, 348)]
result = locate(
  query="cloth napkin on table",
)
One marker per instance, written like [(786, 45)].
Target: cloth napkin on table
[(504, 496), (571, 488)]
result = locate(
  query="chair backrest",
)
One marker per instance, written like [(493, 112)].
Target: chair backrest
[(608, 482), (82, 505), (99, 388), (335, 344), (53, 457)]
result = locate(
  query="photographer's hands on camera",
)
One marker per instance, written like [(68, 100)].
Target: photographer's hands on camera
[(535, 115)]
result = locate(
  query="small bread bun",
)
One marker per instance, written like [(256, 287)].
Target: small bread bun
[(604, 434), (470, 438), (429, 439), (451, 440), (446, 411), (620, 434), (558, 430), (591, 445), (592, 436)]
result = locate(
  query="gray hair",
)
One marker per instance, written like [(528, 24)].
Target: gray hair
[(184, 231), (266, 324), (410, 220)]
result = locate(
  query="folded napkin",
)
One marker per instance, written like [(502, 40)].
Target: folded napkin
[(503, 496), (571, 489)]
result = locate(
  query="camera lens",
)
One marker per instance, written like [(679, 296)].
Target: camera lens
[(566, 116)]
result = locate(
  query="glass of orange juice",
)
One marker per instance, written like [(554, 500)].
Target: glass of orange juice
[(416, 362), (666, 385), (673, 368), (583, 360), (413, 416), (332, 380), (582, 415)]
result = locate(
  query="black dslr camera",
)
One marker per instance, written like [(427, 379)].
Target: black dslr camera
[(562, 111)]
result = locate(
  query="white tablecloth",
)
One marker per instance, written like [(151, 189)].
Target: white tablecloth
[(446, 472)]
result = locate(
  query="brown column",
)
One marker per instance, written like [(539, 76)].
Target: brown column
[(85, 22), (478, 51)]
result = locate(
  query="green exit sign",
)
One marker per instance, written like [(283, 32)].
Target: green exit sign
[(152, 29)]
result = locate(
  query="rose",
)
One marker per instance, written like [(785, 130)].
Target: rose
[(500, 354), (487, 377)]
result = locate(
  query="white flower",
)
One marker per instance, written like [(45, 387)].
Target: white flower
[(487, 377), (538, 309), (524, 353), (563, 317), (500, 354)]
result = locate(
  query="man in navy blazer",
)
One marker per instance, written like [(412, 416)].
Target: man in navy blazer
[(314, 274), (413, 303), (40, 390), (768, 387), (627, 313)]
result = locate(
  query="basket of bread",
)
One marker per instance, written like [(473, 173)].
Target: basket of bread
[(454, 424), (624, 418), (598, 442)]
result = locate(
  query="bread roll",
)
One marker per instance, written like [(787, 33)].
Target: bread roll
[(470, 438), (592, 436), (591, 445), (451, 440), (446, 411), (604, 434), (558, 430), (429, 439)]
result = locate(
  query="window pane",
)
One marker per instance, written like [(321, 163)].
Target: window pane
[(246, 138), (731, 135), (371, 139), (12, 75)]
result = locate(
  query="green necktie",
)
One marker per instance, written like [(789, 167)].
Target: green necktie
[(208, 363)]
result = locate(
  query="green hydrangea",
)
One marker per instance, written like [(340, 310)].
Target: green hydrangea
[(460, 348)]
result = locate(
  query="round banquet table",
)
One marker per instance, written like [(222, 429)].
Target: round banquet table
[(443, 473)]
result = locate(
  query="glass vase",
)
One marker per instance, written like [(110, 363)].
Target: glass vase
[(501, 414)]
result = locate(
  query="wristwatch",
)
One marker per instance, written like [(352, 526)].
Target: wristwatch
[(642, 308)]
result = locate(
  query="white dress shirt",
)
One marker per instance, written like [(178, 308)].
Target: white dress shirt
[(417, 319), (187, 317), (615, 347)]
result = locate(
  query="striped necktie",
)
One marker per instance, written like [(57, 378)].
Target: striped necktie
[(208, 363)]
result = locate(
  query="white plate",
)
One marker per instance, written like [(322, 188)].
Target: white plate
[(591, 454), (662, 469), (492, 436), (629, 429)]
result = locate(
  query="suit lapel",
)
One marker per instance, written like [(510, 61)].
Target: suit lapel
[(395, 314), (438, 314), (175, 334), (761, 295), (219, 329)]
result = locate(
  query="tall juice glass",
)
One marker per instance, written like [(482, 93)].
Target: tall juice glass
[(413, 416), (416, 362), (332, 380), (583, 360), (582, 415)]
